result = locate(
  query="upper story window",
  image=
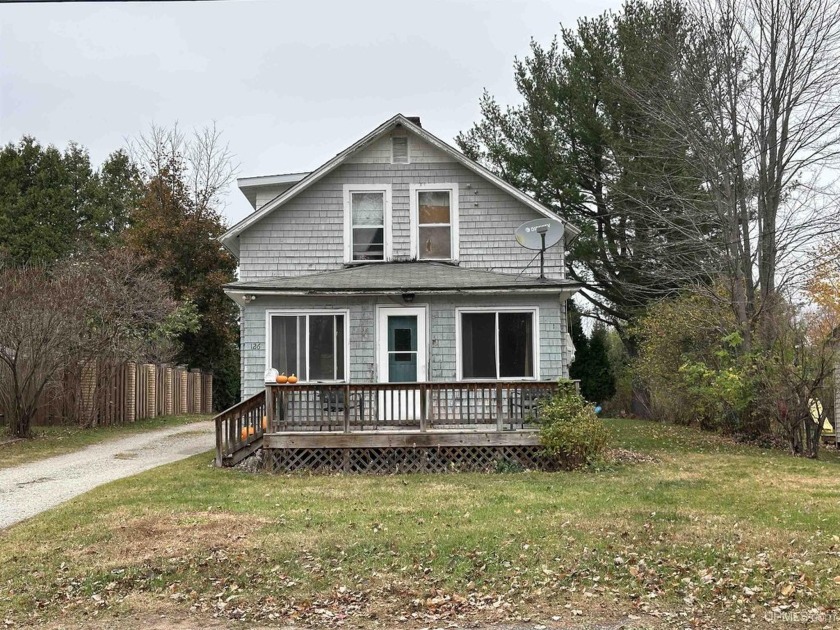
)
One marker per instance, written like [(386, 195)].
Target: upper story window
[(367, 222), (434, 221)]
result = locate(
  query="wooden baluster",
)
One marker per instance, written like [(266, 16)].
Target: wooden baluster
[(346, 408), (423, 407), (499, 425), (222, 438), (447, 405), (269, 408)]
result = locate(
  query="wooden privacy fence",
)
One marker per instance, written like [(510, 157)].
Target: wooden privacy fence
[(100, 394)]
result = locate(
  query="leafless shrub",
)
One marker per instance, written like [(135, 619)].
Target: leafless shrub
[(103, 308)]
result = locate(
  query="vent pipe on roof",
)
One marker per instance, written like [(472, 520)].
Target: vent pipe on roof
[(414, 119)]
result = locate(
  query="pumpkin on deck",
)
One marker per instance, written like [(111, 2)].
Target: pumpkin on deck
[(282, 378), (293, 379), (247, 432), (265, 423)]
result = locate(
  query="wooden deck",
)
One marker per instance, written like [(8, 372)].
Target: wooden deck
[(380, 419), (402, 439)]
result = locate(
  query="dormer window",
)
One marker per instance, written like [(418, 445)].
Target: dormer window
[(399, 150), (434, 221), (367, 223)]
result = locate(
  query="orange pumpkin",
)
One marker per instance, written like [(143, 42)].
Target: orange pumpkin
[(247, 432), (293, 379), (282, 378), (265, 423)]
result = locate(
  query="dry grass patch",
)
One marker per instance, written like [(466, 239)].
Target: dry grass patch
[(135, 540)]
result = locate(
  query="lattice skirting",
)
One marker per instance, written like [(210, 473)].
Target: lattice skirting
[(408, 459)]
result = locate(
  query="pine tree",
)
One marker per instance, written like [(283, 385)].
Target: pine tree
[(592, 364)]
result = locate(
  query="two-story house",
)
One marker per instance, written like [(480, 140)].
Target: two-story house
[(395, 262)]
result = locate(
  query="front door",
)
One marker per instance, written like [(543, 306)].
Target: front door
[(402, 359)]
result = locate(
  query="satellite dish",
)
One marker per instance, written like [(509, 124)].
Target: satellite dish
[(530, 234)]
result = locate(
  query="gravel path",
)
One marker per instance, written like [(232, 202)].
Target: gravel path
[(30, 489)]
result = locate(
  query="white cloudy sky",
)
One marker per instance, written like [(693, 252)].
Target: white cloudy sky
[(289, 83)]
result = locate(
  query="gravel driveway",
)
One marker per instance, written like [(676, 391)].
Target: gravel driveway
[(30, 489)]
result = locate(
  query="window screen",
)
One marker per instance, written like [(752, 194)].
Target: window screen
[(497, 345), (311, 346), (368, 225), (434, 224)]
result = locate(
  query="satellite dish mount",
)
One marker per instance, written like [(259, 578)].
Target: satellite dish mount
[(539, 234), (542, 231)]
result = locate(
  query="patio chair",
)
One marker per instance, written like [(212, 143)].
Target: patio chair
[(526, 402), (332, 401)]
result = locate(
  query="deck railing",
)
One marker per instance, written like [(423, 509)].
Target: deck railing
[(349, 407), (356, 407), (239, 428)]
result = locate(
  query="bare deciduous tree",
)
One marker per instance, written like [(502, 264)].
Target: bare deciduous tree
[(41, 329), (103, 309), (759, 106), (176, 226), (201, 161)]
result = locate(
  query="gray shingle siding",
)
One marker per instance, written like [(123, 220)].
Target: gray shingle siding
[(441, 333), (306, 234), (254, 348)]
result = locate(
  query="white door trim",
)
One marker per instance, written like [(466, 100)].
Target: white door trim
[(382, 313)]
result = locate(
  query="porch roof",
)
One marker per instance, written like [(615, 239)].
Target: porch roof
[(401, 277)]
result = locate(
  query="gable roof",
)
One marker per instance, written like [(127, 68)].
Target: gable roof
[(400, 277), (229, 237)]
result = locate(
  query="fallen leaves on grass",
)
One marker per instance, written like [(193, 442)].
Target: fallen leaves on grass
[(625, 456)]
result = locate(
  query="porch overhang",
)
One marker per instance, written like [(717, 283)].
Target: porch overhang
[(411, 278)]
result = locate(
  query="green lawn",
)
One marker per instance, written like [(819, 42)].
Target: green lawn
[(49, 441), (711, 534)]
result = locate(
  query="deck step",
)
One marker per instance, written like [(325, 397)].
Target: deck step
[(233, 459)]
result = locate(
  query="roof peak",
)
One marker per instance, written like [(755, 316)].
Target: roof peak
[(228, 238)]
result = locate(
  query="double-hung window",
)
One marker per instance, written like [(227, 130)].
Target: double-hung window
[(367, 222), (310, 345), (498, 344), (434, 212)]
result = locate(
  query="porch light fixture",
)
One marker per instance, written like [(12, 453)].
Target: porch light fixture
[(248, 298), (408, 298)]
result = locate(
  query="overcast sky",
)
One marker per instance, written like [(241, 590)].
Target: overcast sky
[(290, 84)]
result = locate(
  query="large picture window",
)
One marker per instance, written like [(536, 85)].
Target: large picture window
[(309, 345), (497, 344)]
